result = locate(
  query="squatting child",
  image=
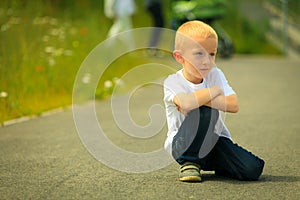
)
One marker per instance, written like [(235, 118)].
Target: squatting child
[(195, 98)]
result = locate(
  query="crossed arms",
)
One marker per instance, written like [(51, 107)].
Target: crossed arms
[(212, 97)]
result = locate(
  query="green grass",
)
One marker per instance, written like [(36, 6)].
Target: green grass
[(43, 43), (41, 49), (36, 58)]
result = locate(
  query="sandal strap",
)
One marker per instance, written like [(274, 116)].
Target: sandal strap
[(187, 167)]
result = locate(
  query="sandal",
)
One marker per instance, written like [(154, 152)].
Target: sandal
[(190, 172)]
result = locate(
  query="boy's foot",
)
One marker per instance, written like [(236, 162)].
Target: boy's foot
[(190, 172)]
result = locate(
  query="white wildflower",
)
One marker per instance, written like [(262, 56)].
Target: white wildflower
[(46, 38), (115, 80), (54, 32), (58, 52), (14, 20), (45, 20), (86, 78), (108, 84), (49, 49), (118, 81), (40, 20), (51, 61), (5, 27), (68, 52), (3, 94)]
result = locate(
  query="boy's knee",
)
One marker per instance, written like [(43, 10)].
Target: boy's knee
[(209, 113), (253, 170)]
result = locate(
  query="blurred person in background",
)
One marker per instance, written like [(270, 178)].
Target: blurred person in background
[(121, 12), (155, 9)]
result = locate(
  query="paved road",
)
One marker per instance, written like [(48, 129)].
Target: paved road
[(44, 158)]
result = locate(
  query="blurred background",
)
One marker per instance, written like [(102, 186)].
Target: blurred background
[(43, 43)]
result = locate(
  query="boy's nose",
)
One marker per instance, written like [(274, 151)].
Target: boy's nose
[(207, 60)]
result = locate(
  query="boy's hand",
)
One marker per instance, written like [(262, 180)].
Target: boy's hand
[(184, 112), (217, 90)]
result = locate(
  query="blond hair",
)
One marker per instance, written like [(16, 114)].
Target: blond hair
[(192, 29)]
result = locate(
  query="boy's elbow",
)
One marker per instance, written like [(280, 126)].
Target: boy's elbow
[(235, 108), (233, 103), (187, 106)]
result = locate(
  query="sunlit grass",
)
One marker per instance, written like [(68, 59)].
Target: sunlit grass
[(40, 56)]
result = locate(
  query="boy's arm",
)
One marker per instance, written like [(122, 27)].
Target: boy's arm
[(225, 103), (186, 102)]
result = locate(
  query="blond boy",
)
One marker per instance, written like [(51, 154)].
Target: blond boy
[(194, 98)]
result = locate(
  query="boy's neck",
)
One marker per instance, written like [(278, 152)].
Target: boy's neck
[(191, 79)]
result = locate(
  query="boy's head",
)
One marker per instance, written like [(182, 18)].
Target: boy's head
[(195, 48), (196, 30)]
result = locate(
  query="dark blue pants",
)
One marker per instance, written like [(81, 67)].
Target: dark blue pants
[(219, 154)]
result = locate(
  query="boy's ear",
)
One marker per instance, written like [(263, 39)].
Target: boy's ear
[(178, 56)]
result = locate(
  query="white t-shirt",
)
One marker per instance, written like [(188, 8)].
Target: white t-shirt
[(176, 83)]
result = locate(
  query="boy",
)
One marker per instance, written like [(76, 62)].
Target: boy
[(194, 96)]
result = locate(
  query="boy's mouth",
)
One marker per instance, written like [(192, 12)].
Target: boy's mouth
[(203, 70)]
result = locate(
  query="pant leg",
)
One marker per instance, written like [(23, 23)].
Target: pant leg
[(156, 12), (158, 23), (196, 131), (229, 159)]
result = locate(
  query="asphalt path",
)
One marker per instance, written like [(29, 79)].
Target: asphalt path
[(48, 158)]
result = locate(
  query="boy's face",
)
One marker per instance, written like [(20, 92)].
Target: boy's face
[(198, 58)]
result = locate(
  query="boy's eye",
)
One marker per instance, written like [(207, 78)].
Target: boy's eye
[(199, 53), (202, 53)]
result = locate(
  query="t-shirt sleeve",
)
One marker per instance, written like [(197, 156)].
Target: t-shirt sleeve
[(217, 78), (171, 88)]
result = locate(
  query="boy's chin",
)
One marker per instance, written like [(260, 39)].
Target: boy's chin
[(202, 75)]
